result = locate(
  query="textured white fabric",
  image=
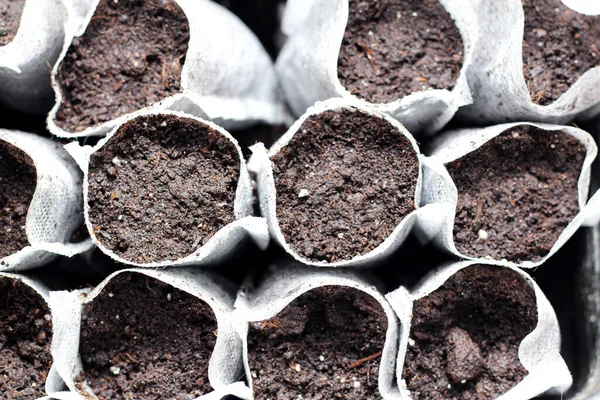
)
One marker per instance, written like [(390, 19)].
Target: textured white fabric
[(588, 7), (441, 194), (539, 352), (260, 163), (218, 246), (24, 76), (227, 76), (281, 286), (500, 93), (55, 209), (592, 211), (307, 65), (225, 365), (53, 380)]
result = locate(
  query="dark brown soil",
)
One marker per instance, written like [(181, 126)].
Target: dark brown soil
[(467, 334), (392, 48), (344, 182), (10, 19), (317, 347), (520, 189), (162, 179), (18, 179), (144, 339), (25, 338), (559, 46), (129, 57)]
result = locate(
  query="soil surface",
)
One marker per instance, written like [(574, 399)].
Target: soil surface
[(144, 339), (10, 19), (25, 338), (18, 179), (129, 57), (392, 48), (162, 179), (312, 348), (516, 194), (559, 46), (344, 182), (465, 336)]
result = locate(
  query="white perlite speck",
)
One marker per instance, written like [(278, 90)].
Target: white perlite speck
[(303, 193), (483, 235)]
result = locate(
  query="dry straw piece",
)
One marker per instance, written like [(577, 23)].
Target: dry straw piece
[(441, 196), (54, 212), (308, 64), (223, 240), (226, 77)]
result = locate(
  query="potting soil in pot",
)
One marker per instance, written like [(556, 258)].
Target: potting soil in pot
[(326, 344), (343, 183), (129, 57), (18, 179), (392, 48), (465, 336), (516, 193), (10, 19), (162, 179), (559, 46), (25, 338), (144, 339)]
